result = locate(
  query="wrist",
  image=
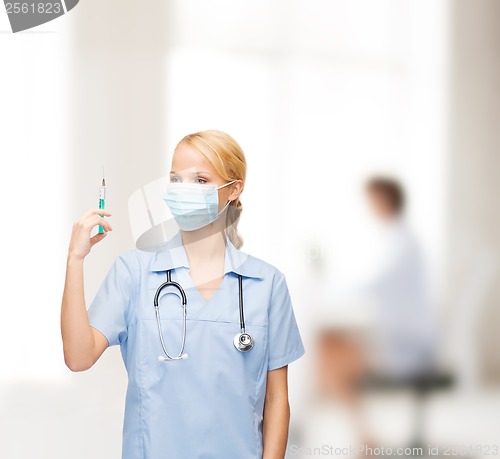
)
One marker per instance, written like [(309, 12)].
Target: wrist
[(74, 258)]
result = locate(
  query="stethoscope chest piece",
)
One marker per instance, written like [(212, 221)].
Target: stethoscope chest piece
[(243, 342)]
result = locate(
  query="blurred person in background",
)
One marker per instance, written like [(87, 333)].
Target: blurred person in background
[(396, 285), (391, 281), (382, 325)]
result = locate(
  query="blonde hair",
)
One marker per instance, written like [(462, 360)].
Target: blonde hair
[(228, 159)]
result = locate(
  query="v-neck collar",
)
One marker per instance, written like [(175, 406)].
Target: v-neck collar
[(173, 255)]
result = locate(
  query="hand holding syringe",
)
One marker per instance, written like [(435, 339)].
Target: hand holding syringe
[(82, 344), (81, 242)]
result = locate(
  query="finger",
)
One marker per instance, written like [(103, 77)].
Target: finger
[(96, 220), (94, 212), (98, 237), (93, 221), (100, 212), (82, 220)]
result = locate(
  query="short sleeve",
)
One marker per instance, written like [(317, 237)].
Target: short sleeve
[(110, 310), (285, 343)]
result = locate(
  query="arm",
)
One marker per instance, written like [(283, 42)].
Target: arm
[(82, 344), (276, 414)]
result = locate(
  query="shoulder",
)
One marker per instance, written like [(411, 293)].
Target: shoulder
[(135, 259), (407, 241), (129, 256), (262, 268)]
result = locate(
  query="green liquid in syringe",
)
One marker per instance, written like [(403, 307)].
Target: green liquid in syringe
[(102, 197)]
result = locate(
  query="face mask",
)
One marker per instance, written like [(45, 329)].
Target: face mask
[(193, 205)]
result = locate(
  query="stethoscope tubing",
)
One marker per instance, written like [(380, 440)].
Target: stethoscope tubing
[(242, 316), (242, 341), (172, 283)]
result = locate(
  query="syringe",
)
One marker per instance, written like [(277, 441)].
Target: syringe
[(102, 198)]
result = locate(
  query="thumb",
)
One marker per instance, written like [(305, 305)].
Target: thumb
[(98, 237)]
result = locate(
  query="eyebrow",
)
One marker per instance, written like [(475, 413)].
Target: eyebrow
[(193, 173)]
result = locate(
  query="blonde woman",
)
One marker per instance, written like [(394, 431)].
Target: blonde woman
[(224, 394)]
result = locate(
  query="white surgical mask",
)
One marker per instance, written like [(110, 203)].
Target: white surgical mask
[(193, 205)]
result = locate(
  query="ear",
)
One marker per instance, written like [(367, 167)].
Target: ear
[(236, 190)]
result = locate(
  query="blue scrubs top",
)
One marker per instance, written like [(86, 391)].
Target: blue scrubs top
[(211, 404)]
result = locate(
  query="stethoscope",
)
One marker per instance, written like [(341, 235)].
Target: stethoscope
[(243, 342)]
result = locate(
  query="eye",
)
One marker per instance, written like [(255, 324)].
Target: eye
[(200, 180), (175, 178)]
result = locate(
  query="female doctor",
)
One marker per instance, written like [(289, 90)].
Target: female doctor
[(214, 400)]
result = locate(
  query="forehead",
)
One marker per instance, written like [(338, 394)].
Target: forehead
[(189, 159)]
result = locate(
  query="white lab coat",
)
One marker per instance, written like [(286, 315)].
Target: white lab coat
[(395, 282)]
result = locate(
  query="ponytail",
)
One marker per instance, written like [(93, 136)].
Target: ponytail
[(232, 219)]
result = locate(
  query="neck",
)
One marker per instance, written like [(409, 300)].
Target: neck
[(204, 244)]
